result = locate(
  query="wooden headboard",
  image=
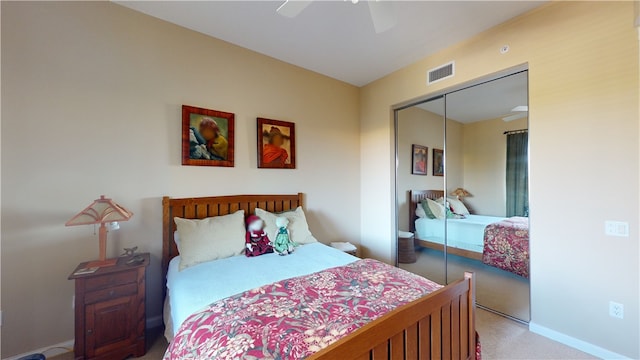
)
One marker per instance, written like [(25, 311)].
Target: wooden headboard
[(203, 207), (415, 196)]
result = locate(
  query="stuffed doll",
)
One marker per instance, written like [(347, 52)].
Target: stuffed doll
[(257, 241), (283, 244)]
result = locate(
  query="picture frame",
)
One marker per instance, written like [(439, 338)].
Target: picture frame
[(438, 162), (207, 137), (276, 144), (419, 161)]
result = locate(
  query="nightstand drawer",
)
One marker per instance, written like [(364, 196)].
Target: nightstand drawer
[(109, 280), (110, 293)]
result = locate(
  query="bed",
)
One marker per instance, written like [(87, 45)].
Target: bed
[(440, 324), (464, 236), (496, 241), (506, 245)]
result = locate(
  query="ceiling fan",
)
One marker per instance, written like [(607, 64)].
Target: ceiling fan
[(382, 12), (518, 112)]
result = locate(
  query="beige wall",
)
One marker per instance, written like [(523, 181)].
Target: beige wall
[(454, 156), (583, 97), (421, 127), (79, 77), (91, 104), (485, 164)]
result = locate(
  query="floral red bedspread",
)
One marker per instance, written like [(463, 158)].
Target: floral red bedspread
[(297, 317), (506, 245)]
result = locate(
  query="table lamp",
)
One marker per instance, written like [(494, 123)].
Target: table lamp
[(101, 211), (460, 193)]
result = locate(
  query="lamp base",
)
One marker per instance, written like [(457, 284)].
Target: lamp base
[(102, 263)]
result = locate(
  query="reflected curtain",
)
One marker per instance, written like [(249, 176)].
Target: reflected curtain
[(517, 174)]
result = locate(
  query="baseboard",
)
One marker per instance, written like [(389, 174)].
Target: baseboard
[(49, 351), (57, 349), (154, 322), (574, 343)]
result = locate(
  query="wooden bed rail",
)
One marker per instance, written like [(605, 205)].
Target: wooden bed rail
[(440, 325)]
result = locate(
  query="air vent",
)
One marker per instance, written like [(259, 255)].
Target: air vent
[(441, 72)]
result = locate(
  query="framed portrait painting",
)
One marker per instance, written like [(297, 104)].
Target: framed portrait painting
[(207, 137), (438, 162), (419, 159), (276, 144)]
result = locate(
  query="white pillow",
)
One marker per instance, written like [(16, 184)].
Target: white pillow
[(420, 211), (458, 207), (211, 238), (436, 209), (298, 227), (176, 239)]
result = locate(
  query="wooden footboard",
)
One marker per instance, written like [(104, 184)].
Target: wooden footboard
[(440, 325)]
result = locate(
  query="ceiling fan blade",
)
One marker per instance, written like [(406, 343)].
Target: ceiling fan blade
[(291, 8), (383, 15)]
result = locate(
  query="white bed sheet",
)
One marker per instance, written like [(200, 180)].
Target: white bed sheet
[(195, 287), (467, 234)]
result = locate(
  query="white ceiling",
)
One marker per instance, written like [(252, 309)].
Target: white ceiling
[(491, 100), (337, 38)]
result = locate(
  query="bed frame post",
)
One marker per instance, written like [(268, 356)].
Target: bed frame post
[(471, 301), (166, 238)]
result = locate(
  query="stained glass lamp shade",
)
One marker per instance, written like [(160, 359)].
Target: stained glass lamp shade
[(460, 193), (101, 211)]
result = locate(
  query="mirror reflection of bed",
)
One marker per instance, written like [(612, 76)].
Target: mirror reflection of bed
[(495, 246), (483, 193)]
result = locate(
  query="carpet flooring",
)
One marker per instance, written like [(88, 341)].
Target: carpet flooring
[(501, 339)]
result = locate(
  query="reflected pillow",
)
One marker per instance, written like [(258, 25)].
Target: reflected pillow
[(433, 209), (210, 238), (298, 227), (420, 211), (458, 207)]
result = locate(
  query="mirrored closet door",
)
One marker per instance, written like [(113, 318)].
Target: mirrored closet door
[(420, 131), (477, 187)]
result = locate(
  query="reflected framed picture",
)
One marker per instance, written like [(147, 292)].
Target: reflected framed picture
[(438, 162), (419, 156), (276, 144), (207, 137)]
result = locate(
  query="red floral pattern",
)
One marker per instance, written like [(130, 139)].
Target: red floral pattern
[(506, 245), (297, 317)]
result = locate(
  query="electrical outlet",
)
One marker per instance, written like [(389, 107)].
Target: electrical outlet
[(616, 310), (616, 228)]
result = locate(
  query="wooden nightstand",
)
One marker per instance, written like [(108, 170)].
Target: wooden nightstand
[(110, 311)]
